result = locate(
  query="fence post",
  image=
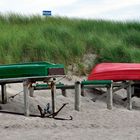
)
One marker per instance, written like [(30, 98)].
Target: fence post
[(26, 98), (64, 92), (77, 95), (129, 94), (82, 90), (3, 93), (53, 94), (31, 91), (109, 97)]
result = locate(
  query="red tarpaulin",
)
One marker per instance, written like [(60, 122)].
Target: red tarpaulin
[(115, 71)]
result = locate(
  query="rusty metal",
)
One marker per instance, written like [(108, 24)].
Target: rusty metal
[(44, 114)]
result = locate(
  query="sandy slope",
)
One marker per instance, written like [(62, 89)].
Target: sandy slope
[(93, 122)]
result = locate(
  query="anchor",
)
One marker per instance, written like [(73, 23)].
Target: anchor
[(48, 113)]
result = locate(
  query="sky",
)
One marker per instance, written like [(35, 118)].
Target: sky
[(89, 9)]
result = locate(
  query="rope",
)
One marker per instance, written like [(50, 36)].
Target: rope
[(13, 96)]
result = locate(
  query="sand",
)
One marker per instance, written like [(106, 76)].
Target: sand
[(93, 122)]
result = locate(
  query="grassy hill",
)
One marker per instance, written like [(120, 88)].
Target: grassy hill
[(63, 40)]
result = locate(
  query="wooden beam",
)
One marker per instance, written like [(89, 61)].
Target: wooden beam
[(77, 95), (122, 86), (64, 87), (26, 98), (34, 78), (3, 93), (109, 97)]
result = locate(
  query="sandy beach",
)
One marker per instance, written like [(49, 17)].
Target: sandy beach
[(93, 122)]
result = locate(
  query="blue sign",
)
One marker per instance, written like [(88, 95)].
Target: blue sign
[(47, 13)]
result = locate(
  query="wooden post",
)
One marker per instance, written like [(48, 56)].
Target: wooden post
[(82, 90), (129, 94), (77, 95), (3, 93), (64, 92), (53, 93), (26, 98), (31, 91), (109, 97)]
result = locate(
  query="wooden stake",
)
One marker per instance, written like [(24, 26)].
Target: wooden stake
[(26, 98), (31, 91), (129, 94), (82, 90), (53, 93), (77, 95), (109, 97), (64, 92), (3, 93)]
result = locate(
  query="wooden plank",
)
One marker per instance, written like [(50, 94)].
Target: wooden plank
[(21, 79), (96, 82), (95, 86), (26, 98), (57, 87), (77, 95), (121, 85), (70, 87), (109, 97), (3, 93)]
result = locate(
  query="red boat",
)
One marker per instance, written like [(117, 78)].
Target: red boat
[(115, 71)]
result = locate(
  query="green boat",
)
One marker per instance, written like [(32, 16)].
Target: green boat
[(33, 69)]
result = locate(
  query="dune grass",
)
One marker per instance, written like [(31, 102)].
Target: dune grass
[(63, 40)]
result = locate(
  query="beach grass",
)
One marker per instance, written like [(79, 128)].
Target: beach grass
[(64, 40)]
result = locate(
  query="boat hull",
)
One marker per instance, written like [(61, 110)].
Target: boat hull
[(115, 71), (30, 70)]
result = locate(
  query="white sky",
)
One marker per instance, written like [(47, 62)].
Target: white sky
[(95, 9)]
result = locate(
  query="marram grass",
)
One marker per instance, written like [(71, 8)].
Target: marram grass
[(63, 40)]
